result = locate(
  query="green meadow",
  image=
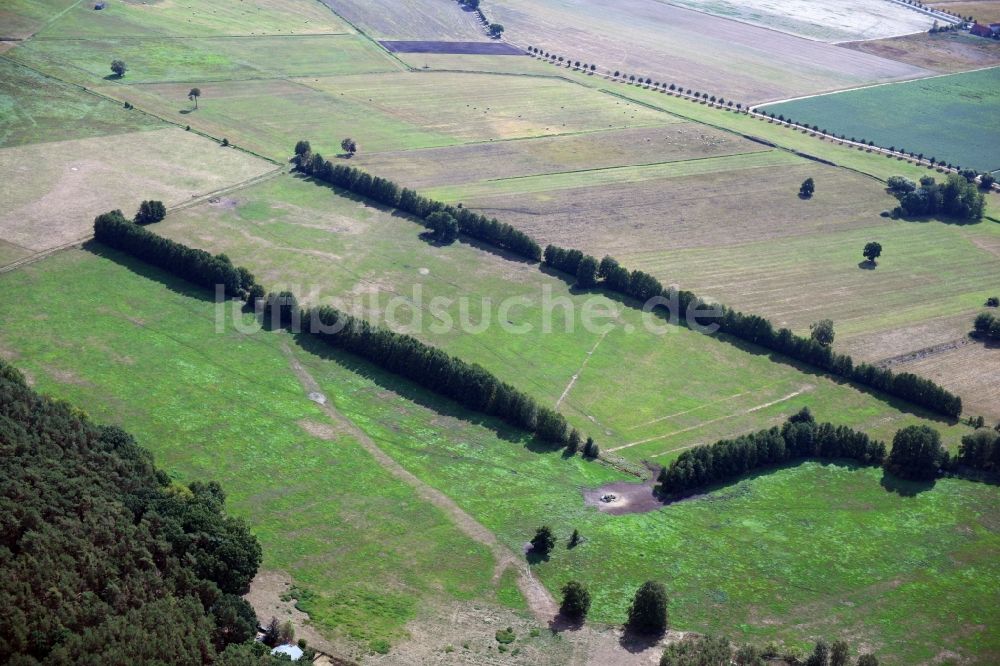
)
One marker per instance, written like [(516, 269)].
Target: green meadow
[(630, 380), (897, 566), (945, 117)]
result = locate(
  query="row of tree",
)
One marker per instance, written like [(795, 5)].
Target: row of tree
[(386, 192), (197, 266), (635, 284), (755, 329), (470, 385), (104, 558), (712, 650), (799, 438)]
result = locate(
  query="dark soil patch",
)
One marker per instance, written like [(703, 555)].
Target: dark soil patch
[(629, 497), (455, 48)]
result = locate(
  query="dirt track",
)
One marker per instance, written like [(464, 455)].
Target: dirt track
[(541, 603)]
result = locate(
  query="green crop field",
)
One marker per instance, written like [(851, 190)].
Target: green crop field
[(946, 117), (897, 567), (649, 393)]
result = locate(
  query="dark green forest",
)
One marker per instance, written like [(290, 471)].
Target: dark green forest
[(104, 559)]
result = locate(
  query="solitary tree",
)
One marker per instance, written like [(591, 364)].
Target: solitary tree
[(194, 95), (543, 541), (575, 601), (496, 30), (150, 211), (574, 539), (118, 67), (872, 251), (590, 448), (648, 613), (349, 146), (807, 188), (822, 332)]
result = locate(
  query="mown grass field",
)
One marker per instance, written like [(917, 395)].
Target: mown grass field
[(633, 385), (909, 576), (943, 117), (136, 347)]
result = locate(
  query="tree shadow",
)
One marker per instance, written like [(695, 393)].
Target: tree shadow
[(905, 487), (866, 265), (431, 239), (413, 392), (561, 623), (150, 272), (634, 642), (184, 112), (536, 558), (805, 197), (113, 77)]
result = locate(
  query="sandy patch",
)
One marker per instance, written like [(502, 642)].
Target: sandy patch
[(321, 430), (266, 590)]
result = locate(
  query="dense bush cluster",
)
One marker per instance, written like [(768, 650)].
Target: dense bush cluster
[(197, 266), (759, 331), (468, 384), (980, 451), (389, 193), (957, 197), (987, 326), (102, 558), (799, 438), (917, 454)]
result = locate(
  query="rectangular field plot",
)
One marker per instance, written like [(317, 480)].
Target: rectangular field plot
[(19, 19), (844, 20), (52, 191), (454, 48), (36, 108), (951, 118), (152, 60), (941, 52), (484, 107), (194, 18), (736, 60), (584, 152), (411, 20), (622, 380)]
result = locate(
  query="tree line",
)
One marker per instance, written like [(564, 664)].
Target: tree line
[(799, 438), (635, 284), (754, 329), (105, 558), (469, 384), (384, 191), (197, 266)]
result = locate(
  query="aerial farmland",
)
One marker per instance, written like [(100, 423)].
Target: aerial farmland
[(500, 332)]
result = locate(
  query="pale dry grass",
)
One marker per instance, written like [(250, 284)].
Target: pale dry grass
[(53, 191)]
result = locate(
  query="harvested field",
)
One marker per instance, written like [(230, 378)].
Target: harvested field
[(19, 19), (984, 11), (699, 51), (455, 48), (205, 59), (484, 107), (972, 371), (664, 212), (194, 18), (52, 191), (488, 163), (477, 63), (411, 20), (940, 117), (942, 52), (37, 108), (828, 22)]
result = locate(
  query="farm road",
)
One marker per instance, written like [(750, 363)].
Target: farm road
[(541, 603)]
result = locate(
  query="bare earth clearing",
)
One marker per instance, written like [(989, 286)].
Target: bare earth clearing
[(943, 52), (736, 60), (829, 22)]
